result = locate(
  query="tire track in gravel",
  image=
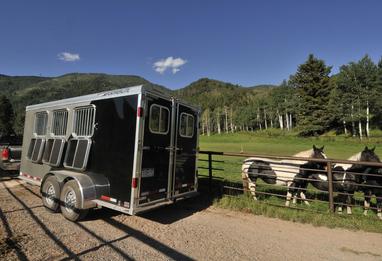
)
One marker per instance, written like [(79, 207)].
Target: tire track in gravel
[(183, 231), (56, 240), (71, 255), (165, 251)]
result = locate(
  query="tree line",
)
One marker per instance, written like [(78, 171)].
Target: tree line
[(311, 102)]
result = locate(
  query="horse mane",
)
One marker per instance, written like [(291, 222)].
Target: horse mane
[(356, 157)]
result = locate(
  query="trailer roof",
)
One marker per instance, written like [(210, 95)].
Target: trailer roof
[(98, 96)]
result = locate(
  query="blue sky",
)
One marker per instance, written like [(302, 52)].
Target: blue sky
[(174, 43)]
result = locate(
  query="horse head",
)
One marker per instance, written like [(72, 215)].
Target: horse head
[(318, 153), (369, 155)]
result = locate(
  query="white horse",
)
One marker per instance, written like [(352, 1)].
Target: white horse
[(281, 173)]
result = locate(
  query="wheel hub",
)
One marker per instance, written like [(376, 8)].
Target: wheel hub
[(70, 201), (50, 195)]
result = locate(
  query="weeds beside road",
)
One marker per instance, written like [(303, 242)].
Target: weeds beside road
[(186, 231)]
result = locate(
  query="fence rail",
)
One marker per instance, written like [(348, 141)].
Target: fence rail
[(329, 163)]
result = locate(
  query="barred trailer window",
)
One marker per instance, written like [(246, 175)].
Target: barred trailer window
[(54, 146), (84, 121), (59, 122), (37, 143), (78, 150), (40, 123)]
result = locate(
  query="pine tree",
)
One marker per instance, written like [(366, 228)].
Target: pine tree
[(311, 82), (6, 116)]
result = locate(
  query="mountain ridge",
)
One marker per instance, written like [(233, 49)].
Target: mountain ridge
[(27, 90)]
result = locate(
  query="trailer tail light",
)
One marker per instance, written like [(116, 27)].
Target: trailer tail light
[(134, 183), (140, 112), (5, 154)]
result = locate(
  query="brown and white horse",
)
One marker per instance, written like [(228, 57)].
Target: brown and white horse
[(281, 173)]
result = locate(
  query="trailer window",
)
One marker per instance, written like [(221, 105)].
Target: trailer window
[(186, 127), (83, 125), (37, 144), (40, 123), (59, 122), (159, 119), (55, 145), (77, 153)]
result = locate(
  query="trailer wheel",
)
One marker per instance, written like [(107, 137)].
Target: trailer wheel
[(71, 202), (50, 191)]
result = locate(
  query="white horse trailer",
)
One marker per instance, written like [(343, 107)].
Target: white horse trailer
[(130, 150)]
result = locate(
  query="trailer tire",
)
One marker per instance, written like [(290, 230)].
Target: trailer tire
[(71, 202), (50, 192)]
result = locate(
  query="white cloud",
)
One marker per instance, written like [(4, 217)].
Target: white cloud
[(170, 63), (68, 57)]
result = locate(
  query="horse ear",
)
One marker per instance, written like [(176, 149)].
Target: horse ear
[(314, 147), (322, 148), (366, 148), (373, 149)]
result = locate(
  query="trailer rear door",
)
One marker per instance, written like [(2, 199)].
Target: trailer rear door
[(186, 139), (156, 150)]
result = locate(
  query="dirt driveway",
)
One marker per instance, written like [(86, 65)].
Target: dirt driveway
[(186, 231)]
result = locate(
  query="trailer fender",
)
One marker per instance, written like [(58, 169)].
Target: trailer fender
[(91, 185)]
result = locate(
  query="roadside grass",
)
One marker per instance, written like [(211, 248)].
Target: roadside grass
[(285, 144), (245, 203)]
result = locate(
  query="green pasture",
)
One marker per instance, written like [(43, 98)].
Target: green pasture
[(277, 142), (285, 144)]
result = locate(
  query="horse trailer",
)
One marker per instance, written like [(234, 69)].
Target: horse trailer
[(131, 150)]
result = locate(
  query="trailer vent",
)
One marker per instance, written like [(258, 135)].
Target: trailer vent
[(84, 121), (77, 153), (53, 151)]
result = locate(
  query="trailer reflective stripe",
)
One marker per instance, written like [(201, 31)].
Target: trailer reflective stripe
[(184, 185), (106, 198), (29, 176), (162, 190)]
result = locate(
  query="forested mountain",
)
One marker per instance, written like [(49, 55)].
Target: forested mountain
[(26, 90), (211, 94), (311, 101)]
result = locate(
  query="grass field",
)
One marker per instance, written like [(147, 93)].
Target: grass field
[(285, 144)]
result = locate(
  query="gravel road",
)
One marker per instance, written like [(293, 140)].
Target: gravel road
[(185, 231)]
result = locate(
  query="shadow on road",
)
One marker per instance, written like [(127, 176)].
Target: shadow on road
[(185, 208)]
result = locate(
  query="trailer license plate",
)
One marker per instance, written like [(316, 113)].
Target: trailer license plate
[(147, 173)]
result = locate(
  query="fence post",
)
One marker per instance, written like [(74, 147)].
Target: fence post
[(209, 172), (330, 186)]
